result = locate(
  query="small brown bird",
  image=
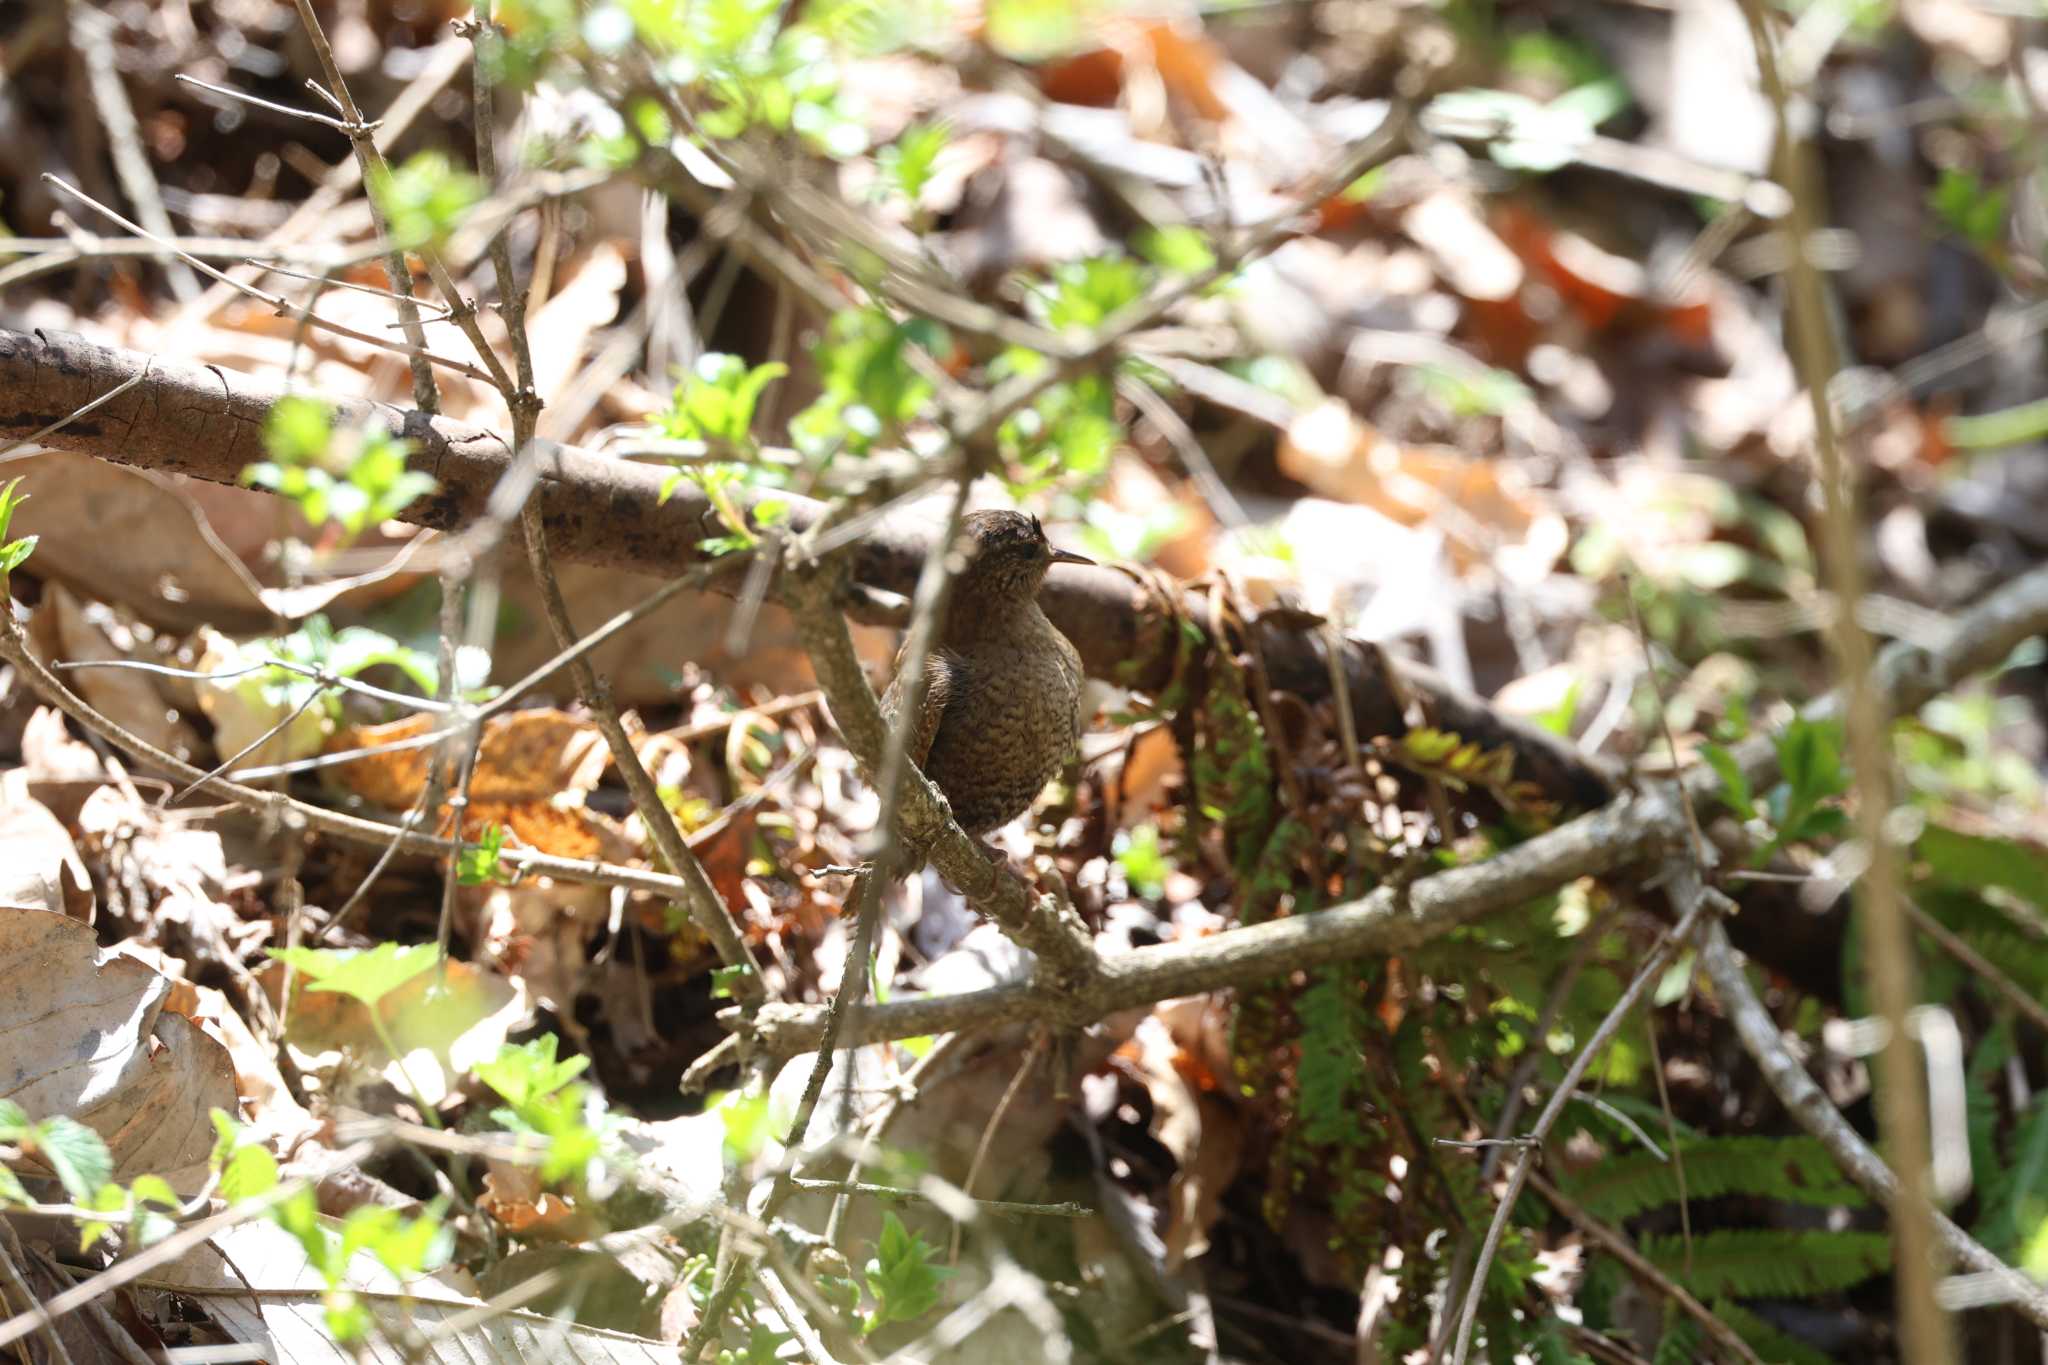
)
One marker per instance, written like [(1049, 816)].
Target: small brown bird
[(1002, 701)]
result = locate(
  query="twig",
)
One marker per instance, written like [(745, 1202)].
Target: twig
[(1694, 900), (1951, 943), (1887, 938), (285, 307), (988, 1132), (14, 649), (320, 676), (707, 910), (93, 31), (1001, 1208), (439, 66), (168, 1250), (853, 986), (228, 93), (425, 396), (1639, 1265), (52, 1342), (1811, 1109)]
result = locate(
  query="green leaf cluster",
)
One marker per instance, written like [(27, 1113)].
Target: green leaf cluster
[(352, 478), (871, 388), (12, 552), (904, 1276), (425, 199), (407, 1247), (1529, 135), (543, 1099), (715, 404)]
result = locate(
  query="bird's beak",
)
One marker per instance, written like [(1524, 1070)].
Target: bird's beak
[(1069, 557)]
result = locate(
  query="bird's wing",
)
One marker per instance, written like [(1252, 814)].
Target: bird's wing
[(942, 681)]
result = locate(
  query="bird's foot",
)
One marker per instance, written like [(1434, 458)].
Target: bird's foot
[(998, 859)]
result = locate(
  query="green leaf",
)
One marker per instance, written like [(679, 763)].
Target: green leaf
[(250, 1172), (907, 163), (746, 1120), (405, 1246), (1770, 1344), (1525, 135), (425, 199), (1999, 430), (15, 552), (1141, 855), (297, 430), (903, 1276), (1734, 790), (1969, 208), (479, 863), (367, 975), (522, 1074), (724, 979), (1178, 249), (75, 1154), (12, 552)]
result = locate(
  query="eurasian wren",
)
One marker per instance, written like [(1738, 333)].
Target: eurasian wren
[(1002, 700)]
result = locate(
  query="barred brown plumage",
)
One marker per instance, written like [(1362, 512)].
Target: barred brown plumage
[(1002, 703)]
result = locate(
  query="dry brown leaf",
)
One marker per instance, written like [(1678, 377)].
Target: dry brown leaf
[(1604, 290), (149, 1076), (554, 827), (1481, 505), (542, 937), (164, 872), (515, 1197), (132, 537), (50, 753), (91, 633), (39, 866), (1203, 1133), (524, 756), (560, 329)]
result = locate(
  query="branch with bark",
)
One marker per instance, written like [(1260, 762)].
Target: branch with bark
[(207, 421)]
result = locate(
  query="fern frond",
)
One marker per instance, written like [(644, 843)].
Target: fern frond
[(1797, 1170), (1769, 1263), (1772, 1346), (2011, 1193), (1683, 1343)]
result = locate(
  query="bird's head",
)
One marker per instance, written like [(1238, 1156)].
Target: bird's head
[(1007, 555)]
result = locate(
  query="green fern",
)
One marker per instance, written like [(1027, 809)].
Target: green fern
[(1550, 1345), (1767, 1263), (1797, 1170), (1772, 1346), (1232, 768), (2011, 1192), (1683, 1342), (1334, 1018)]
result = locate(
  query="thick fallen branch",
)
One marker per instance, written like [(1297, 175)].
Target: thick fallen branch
[(207, 422)]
